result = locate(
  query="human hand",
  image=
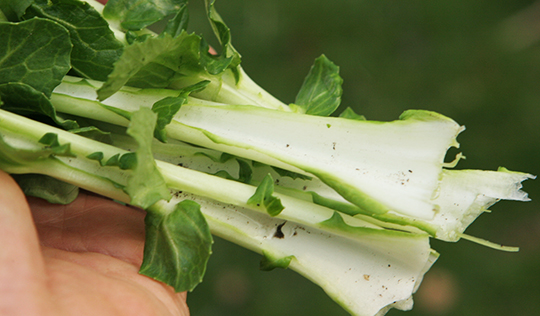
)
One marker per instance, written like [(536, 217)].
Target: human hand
[(78, 259)]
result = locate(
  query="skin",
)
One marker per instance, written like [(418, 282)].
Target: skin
[(77, 259)]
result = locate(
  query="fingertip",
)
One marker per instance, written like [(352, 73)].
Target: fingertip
[(23, 270), (18, 235), (14, 208)]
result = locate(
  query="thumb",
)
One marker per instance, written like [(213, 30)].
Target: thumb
[(23, 288)]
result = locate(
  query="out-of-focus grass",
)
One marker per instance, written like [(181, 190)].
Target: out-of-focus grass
[(475, 61)]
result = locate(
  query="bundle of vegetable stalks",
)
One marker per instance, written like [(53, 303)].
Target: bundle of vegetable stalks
[(94, 99)]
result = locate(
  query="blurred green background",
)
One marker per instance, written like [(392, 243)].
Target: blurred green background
[(476, 61)]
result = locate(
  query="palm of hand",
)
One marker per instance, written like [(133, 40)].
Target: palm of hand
[(85, 262)]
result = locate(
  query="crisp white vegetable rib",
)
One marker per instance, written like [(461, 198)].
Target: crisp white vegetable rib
[(466, 194), (366, 269), (400, 163), (195, 182), (360, 229), (228, 90), (236, 193), (365, 275), (379, 166)]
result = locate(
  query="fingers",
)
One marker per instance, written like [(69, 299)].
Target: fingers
[(88, 283), (91, 224), (96, 232), (22, 270)]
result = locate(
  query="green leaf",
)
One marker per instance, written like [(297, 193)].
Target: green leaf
[(25, 100), (321, 92), (264, 197), (269, 262), (224, 174), (349, 113), (337, 223), (224, 157), (146, 185), (245, 172), (98, 156), (95, 48), (214, 64), (128, 161), (135, 15), (178, 23), (178, 245), (47, 188), (94, 133), (169, 106), (113, 160), (12, 156), (124, 113), (50, 140), (38, 54), (13, 10), (152, 63), (223, 33), (229, 58), (290, 174), (165, 110)]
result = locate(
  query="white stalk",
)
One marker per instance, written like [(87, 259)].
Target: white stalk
[(365, 269)]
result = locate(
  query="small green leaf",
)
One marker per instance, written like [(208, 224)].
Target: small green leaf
[(50, 140), (23, 99), (113, 160), (349, 113), (224, 157), (95, 48), (134, 37), (178, 246), (125, 114), (47, 188), (199, 86), (38, 54), (169, 106), (337, 223), (98, 156), (178, 23), (94, 133), (13, 10), (214, 64), (224, 174), (269, 262), (152, 63), (223, 33), (128, 161), (146, 185), (264, 197), (245, 172), (13, 156), (165, 110), (290, 174), (321, 92), (136, 15)]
